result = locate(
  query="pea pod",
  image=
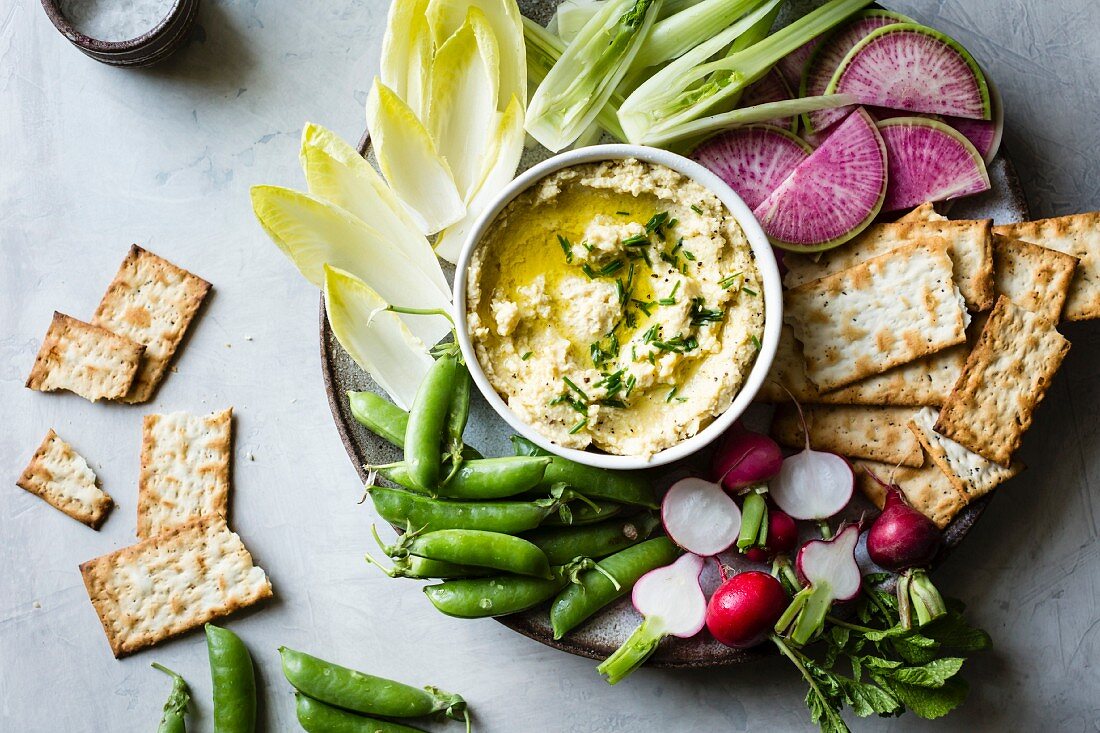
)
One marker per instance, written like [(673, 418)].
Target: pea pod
[(363, 693), (424, 432), (234, 681), (380, 416), (562, 544), (584, 514), (626, 487), (175, 708), (473, 547), (578, 602), (479, 478), (458, 412), (316, 717), (421, 568)]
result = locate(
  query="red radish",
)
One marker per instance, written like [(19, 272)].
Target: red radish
[(671, 603), (831, 573), (911, 67), (772, 87), (832, 195), (745, 458), (782, 537), (813, 484), (744, 609), (829, 54), (700, 517), (753, 159), (929, 161)]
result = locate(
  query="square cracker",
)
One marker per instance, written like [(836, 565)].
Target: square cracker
[(927, 489), (924, 212), (877, 433), (1077, 235), (184, 469), (970, 249), (1033, 277), (85, 359), (925, 381), (171, 583), (152, 302), (1005, 379), (887, 311), (971, 474), (63, 479)]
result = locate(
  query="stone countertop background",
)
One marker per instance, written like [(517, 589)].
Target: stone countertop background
[(95, 158)]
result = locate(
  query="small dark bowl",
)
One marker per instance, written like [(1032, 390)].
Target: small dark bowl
[(148, 48)]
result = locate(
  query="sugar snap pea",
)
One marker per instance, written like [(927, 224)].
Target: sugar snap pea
[(584, 514), (577, 602), (316, 717), (175, 708), (365, 693), (473, 547), (234, 681), (380, 416), (562, 544), (405, 507), (478, 478), (421, 568), (458, 412), (626, 487), (424, 432)]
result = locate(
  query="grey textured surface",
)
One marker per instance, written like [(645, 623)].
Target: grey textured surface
[(96, 158)]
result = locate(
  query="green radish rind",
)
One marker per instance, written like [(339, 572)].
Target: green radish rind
[(949, 131), (951, 43), (863, 223), (822, 47)]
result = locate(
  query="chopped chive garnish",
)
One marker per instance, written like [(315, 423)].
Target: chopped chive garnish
[(671, 394), (587, 269), (755, 341), (623, 213), (526, 356), (611, 268), (750, 291), (679, 245), (651, 334), (644, 307), (638, 240), (586, 245), (578, 427), (672, 223), (729, 281), (620, 290), (696, 209), (689, 256), (671, 299), (630, 382), (670, 259), (613, 403), (567, 248), (631, 319), (657, 223), (569, 383)]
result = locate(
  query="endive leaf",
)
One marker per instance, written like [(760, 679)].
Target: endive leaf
[(407, 53), (504, 157), (445, 17), (463, 108), (337, 173), (313, 233), (377, 340), (410, 162)]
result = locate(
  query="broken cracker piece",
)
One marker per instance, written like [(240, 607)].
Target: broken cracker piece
[(84, 359), (927, 489), (971, 474), (171, 583), (152, 302), (1077, 235), (857, 431), (184, 469), (1005, 379), (887, 311), (1033, 277), (63, 479), (924, 212)]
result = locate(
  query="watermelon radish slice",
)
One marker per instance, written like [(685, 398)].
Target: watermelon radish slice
[(829, 54), (791, 65), (985, 135), (753, 160), (929, 161), (770, 88), (910, 67), (832, 195)]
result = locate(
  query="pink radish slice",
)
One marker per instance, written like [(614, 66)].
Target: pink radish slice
[(753, 159), (770, 88), (791, 65), (832, 562), (672, 594), (700, 517), (832, 195), (908, 66), (929, 161), (812, 484), (985, 135), (827, 57)]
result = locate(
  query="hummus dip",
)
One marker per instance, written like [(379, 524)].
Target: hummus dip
[(615, 305)]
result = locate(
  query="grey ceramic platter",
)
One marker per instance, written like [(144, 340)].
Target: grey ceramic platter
[(489, 434)]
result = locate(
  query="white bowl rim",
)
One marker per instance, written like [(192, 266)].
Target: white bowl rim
[(765, 261)]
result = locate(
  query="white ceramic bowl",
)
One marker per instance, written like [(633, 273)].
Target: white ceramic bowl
[(765, 261)]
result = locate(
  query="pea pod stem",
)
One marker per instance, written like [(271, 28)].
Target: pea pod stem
[(754, 522), (638, 647), (917, 595), (806, 614), (173, 720)]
